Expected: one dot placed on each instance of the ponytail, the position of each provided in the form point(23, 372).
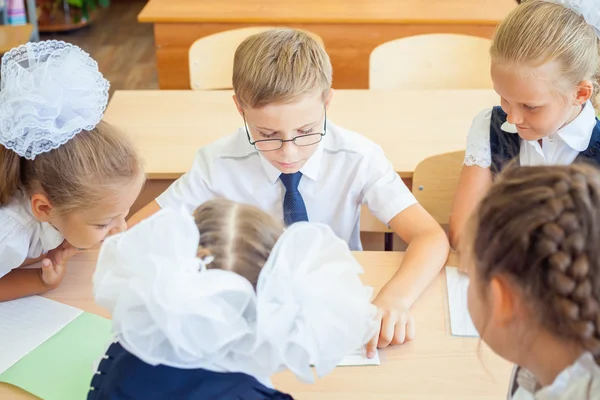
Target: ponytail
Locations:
point(10, 173)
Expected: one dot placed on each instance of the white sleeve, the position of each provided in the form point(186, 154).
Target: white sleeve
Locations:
point(14, 245)
point(478, 141)
point(191, 189)
point(385, 193)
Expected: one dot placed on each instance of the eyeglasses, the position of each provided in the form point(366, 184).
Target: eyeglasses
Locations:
point(275, 144)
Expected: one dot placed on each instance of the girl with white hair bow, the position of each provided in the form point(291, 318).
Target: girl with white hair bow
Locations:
point(210, 310)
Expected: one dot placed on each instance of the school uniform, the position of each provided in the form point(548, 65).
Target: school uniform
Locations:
point(346, 171)
point(22, 236)
point(123, 376)
point(579, 381)
point(493, 142)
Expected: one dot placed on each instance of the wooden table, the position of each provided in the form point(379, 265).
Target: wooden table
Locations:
point(169, 126)
point(435, 366)
point(351, 29)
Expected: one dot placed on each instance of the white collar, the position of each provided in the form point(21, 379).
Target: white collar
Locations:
point(574, 381)
point(576, 134)
point(49, 236)
point(310, 169)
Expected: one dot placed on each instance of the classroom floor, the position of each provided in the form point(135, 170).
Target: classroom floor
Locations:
point(123, 47)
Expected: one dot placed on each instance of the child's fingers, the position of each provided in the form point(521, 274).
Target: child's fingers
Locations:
point(46, 264)
point(411, 327)
point(372, 345)
point(387, 330)
point(400, 332)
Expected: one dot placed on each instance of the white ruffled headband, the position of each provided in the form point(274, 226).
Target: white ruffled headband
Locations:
point(588, 9)
point(309, 307)
point(50, 91)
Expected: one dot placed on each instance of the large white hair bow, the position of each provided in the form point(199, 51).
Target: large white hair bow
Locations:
point(310, 306)
point(50, 91)
point(588, 9)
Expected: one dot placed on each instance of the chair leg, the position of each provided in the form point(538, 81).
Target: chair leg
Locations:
point(389, 241)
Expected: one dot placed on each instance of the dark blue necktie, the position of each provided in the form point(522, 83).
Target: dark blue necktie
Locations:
point(294, 209)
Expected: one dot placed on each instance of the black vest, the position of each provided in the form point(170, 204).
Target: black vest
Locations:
point(506, 146)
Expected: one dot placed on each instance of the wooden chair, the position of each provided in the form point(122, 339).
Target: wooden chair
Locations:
point(211, 57)
point(434, 183)
point(433, 61)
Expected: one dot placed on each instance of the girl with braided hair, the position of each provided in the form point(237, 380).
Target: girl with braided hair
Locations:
point(532, 249)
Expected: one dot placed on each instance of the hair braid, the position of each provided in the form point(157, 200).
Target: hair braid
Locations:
point(541, 225)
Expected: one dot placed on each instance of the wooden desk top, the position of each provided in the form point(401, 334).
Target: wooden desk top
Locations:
point(434, 366)
point(169, 126)
point(480, 12)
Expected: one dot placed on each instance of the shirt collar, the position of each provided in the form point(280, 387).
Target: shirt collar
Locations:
point(577, 133)
point(49, 236)
point(310, 169)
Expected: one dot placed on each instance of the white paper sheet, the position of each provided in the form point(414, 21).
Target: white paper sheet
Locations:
point(359, 357)
point(27, 323)
point(460, 320)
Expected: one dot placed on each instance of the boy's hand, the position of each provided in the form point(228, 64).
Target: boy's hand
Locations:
point(54, 265)
point(396, 324)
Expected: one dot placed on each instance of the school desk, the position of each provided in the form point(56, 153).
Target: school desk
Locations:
point(351, 29)
point(434, 366)
point(169, 126)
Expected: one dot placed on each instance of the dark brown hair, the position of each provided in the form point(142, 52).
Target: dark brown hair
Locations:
point(75, 175)
point(239, 237)
point(540, 227)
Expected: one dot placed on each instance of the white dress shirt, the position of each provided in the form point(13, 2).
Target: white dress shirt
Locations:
point(560, 148)
point(22, 236)
point(346, 171)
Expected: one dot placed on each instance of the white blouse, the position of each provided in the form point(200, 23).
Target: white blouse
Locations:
point(560, 148)
point(579, 381)
point(22, 236)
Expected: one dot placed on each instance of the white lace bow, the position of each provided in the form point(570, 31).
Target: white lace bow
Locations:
point(588, 9)
point(50, 91)
point(309, 307)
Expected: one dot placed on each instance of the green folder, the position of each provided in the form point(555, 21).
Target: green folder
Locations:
point(62, 367)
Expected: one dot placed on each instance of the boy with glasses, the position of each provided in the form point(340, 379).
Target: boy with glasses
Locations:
point(290, 161)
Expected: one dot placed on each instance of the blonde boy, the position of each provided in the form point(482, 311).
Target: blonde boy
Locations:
point(292, 162)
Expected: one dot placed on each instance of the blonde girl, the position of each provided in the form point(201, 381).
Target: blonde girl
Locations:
point(68, 179)
point(545, 67)
point(215, 321)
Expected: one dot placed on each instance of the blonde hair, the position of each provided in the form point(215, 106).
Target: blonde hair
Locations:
point(239, 237)
point(75, 175)
point(279, 66)
point(538, 32)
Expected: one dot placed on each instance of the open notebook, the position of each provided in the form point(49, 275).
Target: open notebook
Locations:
point(460, 320)
point(49, 348)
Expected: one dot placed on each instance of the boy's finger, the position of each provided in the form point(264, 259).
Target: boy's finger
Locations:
point(372, 345)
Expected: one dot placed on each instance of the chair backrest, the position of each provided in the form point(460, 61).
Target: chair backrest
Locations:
point(211, 57)
point(434, 183)
point(432, 61)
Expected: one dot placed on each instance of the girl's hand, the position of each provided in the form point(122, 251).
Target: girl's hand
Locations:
point(54, 265)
